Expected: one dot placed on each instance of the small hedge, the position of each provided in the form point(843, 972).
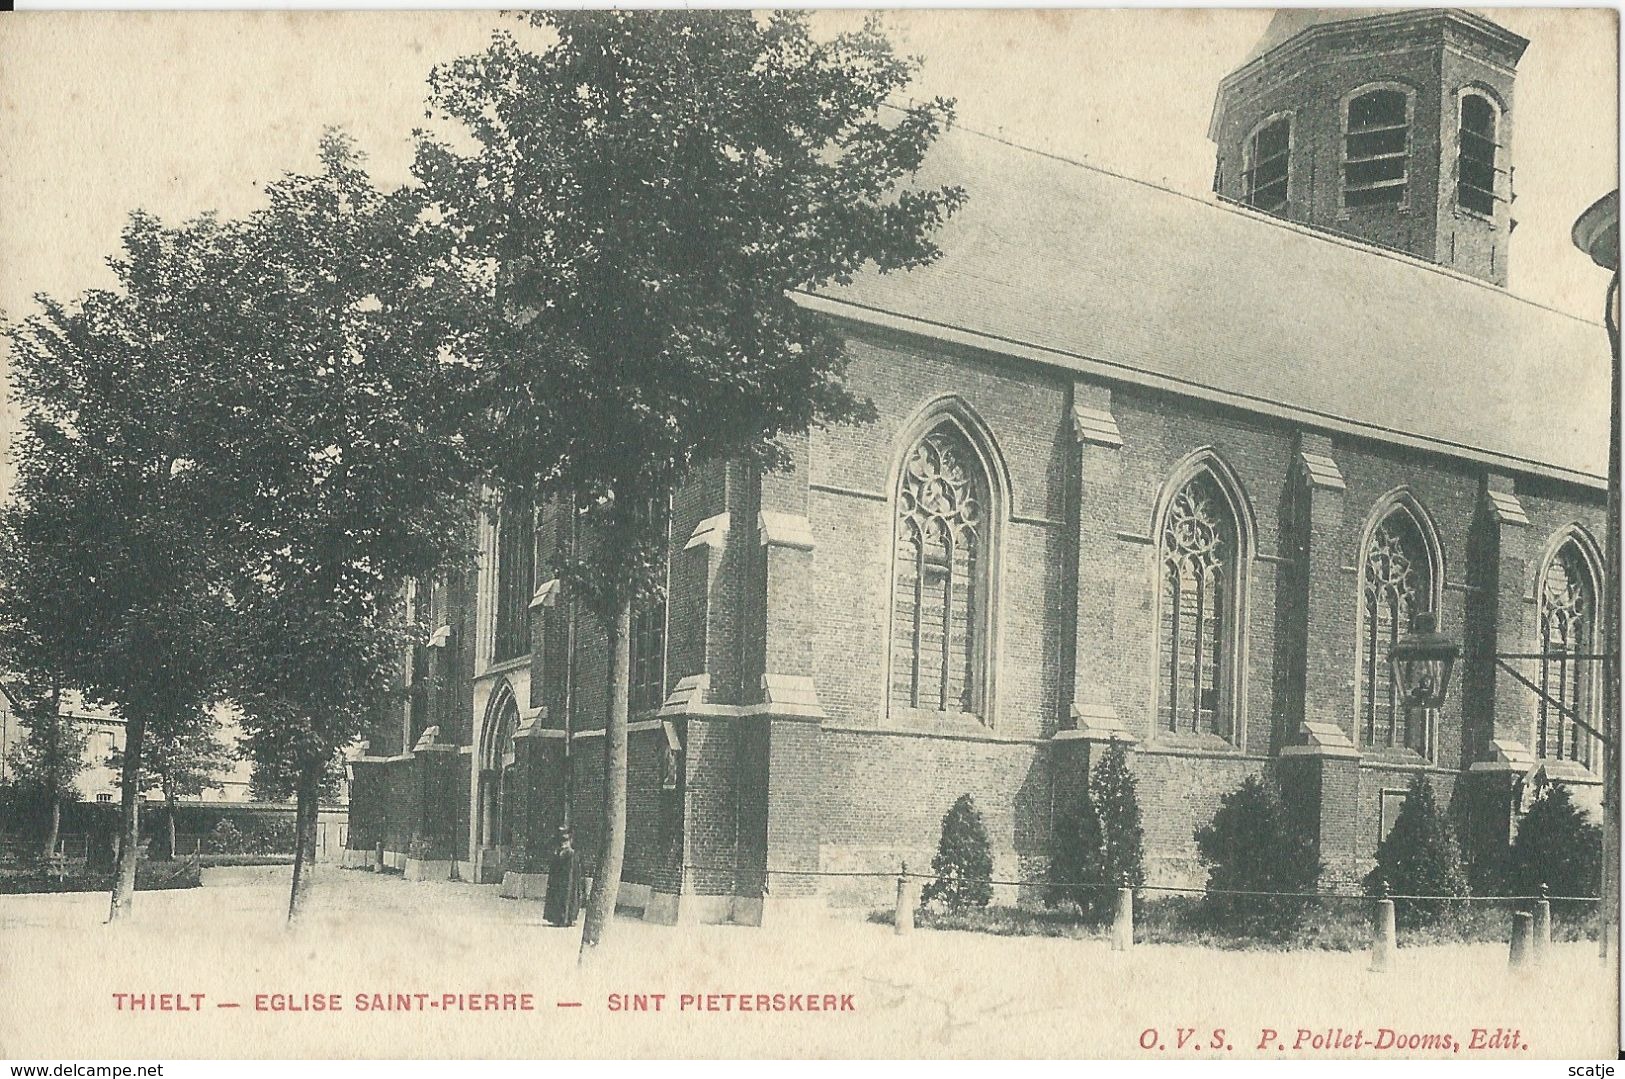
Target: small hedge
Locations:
point(963, 866)
point(1253, 845)
point(1099, 840)
point(149, 877)
point(1557, 847)
point(1420, 856)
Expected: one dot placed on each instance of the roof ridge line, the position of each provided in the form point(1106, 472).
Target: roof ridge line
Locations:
point(1269, 219)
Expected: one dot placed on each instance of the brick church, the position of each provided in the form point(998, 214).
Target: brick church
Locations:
point(1169, 470)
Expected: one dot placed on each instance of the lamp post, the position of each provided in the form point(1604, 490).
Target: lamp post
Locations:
point(1597, 234)
point(1423, 659)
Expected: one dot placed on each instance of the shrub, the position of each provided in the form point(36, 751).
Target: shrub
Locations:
point(226, 839)
point(1254, 845)
point(1558, 847)
point(964, 863)
point(1420, 857)
point(1076, 872)
point(1099, 841)
point(1116, 801)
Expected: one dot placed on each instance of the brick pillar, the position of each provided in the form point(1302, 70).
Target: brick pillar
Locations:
point(700, 826)
point(708, 809)
point(1072, 757)
point(779, 748)
point(368, 792)
point(1320, 785)
point(1094, 496)
point(702, 645)
point(1326, 664)
point(537, 827)
point(1499, 709)
point(434, 774)
point(1318, 764)
point(1512, 551)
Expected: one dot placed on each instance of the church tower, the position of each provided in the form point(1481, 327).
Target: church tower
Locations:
point(1390, 127)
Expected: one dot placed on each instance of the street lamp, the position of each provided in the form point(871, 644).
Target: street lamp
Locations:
point(1597, 234)
point(1423, 660)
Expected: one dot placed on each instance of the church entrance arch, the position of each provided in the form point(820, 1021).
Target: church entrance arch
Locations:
point(498, 795)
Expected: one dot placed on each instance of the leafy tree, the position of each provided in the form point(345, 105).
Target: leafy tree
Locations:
point(1076, 872)
point(46, 602)
point(272, 781)
point(1420, 857)
point(645, 192)
point(1116, 799)
point(46, 761)
point(1558, 847)
point(963, 867)
point(345, 458)
point(183, 761)
point(1253, 844)
point(113, 394)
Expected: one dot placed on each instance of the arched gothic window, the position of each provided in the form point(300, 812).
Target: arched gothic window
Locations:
point(1475, 155)
point(1568, 613)
point(940, 598)
point(1397, 584)
point(515, 579)
point(1199, 593)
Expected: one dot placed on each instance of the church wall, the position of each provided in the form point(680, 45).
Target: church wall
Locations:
point(1180, 784)
point(1449, 493)
point(852, 481)
point(886, 793)
point(1159, 432)
point(876, 787)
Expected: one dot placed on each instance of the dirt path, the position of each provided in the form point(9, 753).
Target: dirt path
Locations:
point(929, 994)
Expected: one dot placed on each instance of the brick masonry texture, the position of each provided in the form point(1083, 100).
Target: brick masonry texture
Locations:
point(864, 788)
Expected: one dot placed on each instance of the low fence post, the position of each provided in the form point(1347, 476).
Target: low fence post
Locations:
point(378, 857)
point(1543, 925)
point(1123, 923)
point(903, 921)
point(1523, 932)
point(1383, 942)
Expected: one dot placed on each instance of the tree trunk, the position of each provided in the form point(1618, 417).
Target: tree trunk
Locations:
point(307, 797)
point(53, 770)
point(606, 881)
point(53, 836)
point(169, 809)
point(130, 820)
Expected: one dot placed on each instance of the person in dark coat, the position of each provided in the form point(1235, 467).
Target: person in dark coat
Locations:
point(562, 904)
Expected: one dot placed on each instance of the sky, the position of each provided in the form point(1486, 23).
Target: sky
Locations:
point(176, 114)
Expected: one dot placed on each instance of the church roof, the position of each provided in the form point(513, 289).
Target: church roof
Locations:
point(1288, 23)
point(1122, 280)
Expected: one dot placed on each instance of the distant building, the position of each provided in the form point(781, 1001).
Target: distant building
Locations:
point(103, 729)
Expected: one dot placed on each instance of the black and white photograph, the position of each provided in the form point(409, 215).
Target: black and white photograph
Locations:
point(677, 533)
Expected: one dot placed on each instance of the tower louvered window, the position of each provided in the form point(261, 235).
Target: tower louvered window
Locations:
point(1398, 584)
point(938, 604)
point(1568, 603)
point(1376, 144)
point(1198, 559)
point(1475, 159)
point(1268, 155)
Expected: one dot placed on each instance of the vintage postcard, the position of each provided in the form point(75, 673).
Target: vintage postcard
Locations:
point(714, 534)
